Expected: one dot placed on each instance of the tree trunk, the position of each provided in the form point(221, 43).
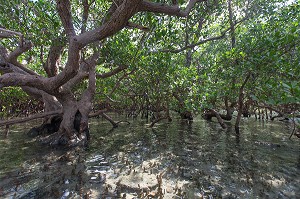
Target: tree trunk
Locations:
point(73, 127)
point(184, 114)
point(240, 103)
point(210, 113)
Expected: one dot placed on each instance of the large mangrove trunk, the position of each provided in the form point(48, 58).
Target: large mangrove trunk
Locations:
point(73, 128)
point(70, 126)
point(73, 122)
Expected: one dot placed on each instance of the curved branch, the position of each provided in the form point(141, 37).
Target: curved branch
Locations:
point(4, 33)
point(51, 66)
point(84, 72)
point(21, 120)
point(173, 10)
point(219, 118)
point(113, 72)
point(17, 79)
point(117, 21)
point(158, 120)
point(34, 92)
point(118, 83)
point(64, 11)
point(70, 70)
point(89, 93)
point(49, 85)
point(105, 116)
point(13, 57)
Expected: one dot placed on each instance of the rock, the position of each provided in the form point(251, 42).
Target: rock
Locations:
point(169, 189)
point(138, 181)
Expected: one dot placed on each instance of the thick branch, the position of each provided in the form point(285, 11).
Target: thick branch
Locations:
point(92, 81)
point(219, 118)
point(64, 11)
point(13, 56)
point(158, 120)
point(12, 69)
point(51, 85)
point(70, 70)
point(240, 103)
point(117, 21)
point(3, 52)
point(83, 72)
point(4, 33)
point(34, 92)
point(86, 101)
point(85, 14)
point(26, 119)
point(210, 113)
point(89, 93)
point(51, 66)
point(173, 10)
point(16, 79)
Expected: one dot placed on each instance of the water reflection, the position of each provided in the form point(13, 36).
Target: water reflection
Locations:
point(172, 160)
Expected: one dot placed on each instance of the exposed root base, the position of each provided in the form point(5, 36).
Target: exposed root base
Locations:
point(47, 128)
point(58, 139)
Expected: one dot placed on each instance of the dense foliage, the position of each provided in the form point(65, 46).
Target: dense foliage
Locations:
point(185, 64)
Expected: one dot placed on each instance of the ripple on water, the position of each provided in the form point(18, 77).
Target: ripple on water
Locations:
point(191, 160)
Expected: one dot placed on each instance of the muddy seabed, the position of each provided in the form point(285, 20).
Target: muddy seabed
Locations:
point(175, 160)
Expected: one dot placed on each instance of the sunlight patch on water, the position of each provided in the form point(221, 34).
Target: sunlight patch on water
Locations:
point(197, 159)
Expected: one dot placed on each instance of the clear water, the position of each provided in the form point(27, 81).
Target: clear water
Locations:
point(196, 160)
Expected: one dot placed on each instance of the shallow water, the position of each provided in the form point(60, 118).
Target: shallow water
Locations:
point(192, 160)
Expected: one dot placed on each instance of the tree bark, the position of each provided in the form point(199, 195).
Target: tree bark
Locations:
point(26, 119)
point(56, 89)
point(210, 113)
point(240, 104)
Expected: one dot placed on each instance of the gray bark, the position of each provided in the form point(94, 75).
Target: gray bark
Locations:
point(56, 89)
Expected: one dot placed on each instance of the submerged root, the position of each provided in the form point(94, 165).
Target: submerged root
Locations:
point(61, 133)
point(54, 139)
point(46, 128)
point(61, 139)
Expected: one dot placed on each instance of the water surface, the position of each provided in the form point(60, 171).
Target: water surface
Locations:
point(191, 160)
